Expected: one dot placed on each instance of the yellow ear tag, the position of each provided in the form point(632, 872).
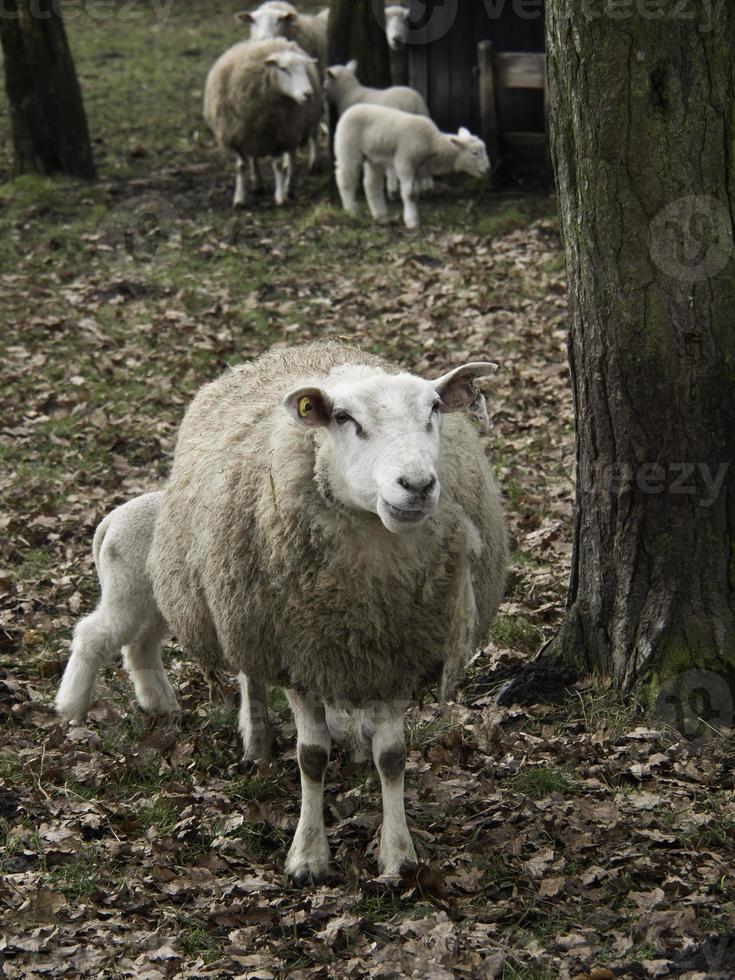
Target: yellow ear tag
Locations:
point(304, 407)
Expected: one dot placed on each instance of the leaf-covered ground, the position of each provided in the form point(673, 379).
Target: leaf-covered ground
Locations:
point(563, 834)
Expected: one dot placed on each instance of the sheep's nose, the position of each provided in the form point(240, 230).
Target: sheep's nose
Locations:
point(418, 489)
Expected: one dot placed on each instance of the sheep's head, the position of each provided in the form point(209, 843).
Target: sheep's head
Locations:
point(396, 26)
point(472, 157)
point(338, 77)
point(290, 74)
point(382, 436)
point(272, 19)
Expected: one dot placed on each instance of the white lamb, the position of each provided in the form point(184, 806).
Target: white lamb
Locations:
point(396, 26)
point(331, 526)
point(126, 618)
point(343, 89)
point(263, 99)
point(377, 139)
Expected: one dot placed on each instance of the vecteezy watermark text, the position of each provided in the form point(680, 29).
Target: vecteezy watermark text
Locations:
point(691, 479)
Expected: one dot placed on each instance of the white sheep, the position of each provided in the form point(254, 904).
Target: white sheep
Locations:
point(396, 26)
point(343, 89)
point(377, 139)
point(331, 526)
point(126, 619)
point(277, 19)
point(263, 99)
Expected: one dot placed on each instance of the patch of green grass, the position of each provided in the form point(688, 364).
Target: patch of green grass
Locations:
point(541, 781)
point(501, 222)
point(277, 700)
point(198, 943)
point(603, 709)
point(159, 814)
point(80, 877)
point(421, 734)
point(516, 633)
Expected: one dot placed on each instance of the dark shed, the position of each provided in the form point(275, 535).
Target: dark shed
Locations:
point(443, 65)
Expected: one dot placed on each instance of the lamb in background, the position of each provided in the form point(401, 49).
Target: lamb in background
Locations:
point(343, 90)
point(320, 532)
point(263, 99)
point(377, 139)
point(126, 617)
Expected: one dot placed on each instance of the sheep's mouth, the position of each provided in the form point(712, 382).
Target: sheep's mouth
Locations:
point(405, 516)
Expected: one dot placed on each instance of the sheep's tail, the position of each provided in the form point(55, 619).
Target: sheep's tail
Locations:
point(99, 537)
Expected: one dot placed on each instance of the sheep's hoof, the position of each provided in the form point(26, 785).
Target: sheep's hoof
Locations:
point(299, 877)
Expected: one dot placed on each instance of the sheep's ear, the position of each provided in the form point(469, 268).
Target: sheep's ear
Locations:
point(463, 133)
point(351, 65)
point(287, 15)
point(309, 406)
point(456, 390)
point(245, 16)
point(329, 73)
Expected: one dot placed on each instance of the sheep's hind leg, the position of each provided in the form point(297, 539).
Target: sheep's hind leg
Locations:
point(347, 175)
point(254, 724)
point(238, 200)
point(374, 183)
point(407, 180)
point(389, 753)
point(282, 173)
point(142, 660)
point(308, 857)
point(96, 641)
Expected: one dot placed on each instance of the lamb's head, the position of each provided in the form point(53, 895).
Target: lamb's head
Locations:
point(396, 26)
point(472, 158)
point(271, 19)
point(289, 70)
point(380, 436)
point(340, 78)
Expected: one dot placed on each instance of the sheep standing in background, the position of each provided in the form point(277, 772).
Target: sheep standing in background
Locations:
point(278, 19)
point(126, 618)
point(263, 99)
point(396, 32)
point(343, 90)
point(320, 532)
point(378, 139)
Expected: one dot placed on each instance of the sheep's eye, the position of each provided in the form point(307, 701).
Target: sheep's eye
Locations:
point(342, 418)
point(435, 410)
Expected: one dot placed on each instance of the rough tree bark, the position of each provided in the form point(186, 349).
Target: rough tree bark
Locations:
point(357, 30)
point(642, 126)
point(50, 134)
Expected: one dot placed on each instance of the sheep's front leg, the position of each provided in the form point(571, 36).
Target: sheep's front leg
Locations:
point(308, 857)
point(373, 182)
point(254, 724)
point(347, 175)
point(407, 180)
point(389, 753)
point(256, 179)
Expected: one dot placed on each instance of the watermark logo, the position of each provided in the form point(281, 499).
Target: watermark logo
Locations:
point(697, 703)
point(140, 232)
point(431, 20)
point(691, 238)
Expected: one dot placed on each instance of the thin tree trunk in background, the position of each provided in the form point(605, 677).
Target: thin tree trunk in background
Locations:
point(642, 137)
point(357, 30)
point(50, 134)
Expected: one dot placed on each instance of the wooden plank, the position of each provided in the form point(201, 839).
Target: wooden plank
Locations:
point(488, 105)
point(520, 70)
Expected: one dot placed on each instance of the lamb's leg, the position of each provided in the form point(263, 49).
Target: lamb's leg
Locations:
point(391, 182)
point(96, 641)
point(255, 727)
point(238, 200)
point(289, 165)
point(280, 172)
point(347, 174)
point(408, 195)
point(313, 151)
point(389, 753)
point(308, 857)
point(374, 184)
point(142, 660)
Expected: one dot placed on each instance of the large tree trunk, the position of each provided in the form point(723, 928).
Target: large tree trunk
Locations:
point(50, 133)
point(357, 30)
point(642, 138)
